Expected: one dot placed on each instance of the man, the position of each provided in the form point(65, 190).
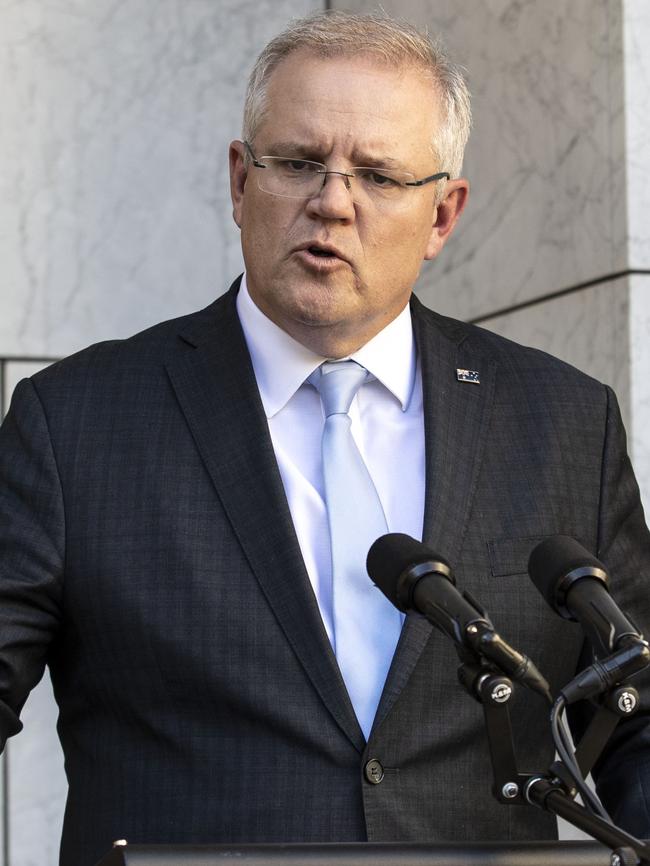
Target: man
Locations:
point(166, 513)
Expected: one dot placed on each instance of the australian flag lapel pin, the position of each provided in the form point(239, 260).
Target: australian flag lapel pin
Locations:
point(468, 376)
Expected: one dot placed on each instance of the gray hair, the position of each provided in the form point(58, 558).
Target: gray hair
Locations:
point(393, 43)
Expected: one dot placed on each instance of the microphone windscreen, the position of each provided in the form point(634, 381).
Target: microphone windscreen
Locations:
point(392, 554)
point(555, 558)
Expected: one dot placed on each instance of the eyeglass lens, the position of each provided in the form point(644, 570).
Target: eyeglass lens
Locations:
point(298, 178)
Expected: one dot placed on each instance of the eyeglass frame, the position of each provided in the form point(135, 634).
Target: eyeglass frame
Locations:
point(441, 175)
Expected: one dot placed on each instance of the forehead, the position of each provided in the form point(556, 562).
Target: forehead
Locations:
point(349, 102)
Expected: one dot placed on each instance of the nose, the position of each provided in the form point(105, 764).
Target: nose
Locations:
point(346, 177)
point(334, 199)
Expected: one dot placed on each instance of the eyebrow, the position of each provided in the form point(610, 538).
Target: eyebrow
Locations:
point(291, 148)
point(377, 162)
point(307, 151)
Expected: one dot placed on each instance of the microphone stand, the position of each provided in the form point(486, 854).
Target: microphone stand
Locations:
point(552, 791)
point(550, 795)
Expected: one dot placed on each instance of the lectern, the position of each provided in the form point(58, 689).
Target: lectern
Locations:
point(364, 854)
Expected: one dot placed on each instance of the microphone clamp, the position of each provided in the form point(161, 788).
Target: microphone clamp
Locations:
point(410, 577)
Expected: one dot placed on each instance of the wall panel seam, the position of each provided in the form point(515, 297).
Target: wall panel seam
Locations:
point(560, 293)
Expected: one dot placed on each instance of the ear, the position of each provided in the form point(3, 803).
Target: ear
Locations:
point(238, 175)
point(446, 215)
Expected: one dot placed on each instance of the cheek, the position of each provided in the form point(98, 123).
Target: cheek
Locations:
point(267, 234)
point(402, 243)
point(393, 259)
point(267, 222)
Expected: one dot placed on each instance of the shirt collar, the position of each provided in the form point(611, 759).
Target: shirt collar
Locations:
point(281, 364)
point(391, 358)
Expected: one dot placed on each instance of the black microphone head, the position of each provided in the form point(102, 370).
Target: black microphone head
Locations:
point(394, 554)
point(556, 564)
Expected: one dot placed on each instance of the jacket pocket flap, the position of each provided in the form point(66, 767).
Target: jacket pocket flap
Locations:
point(510, 555)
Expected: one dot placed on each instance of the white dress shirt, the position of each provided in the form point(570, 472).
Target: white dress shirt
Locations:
point(387, 425)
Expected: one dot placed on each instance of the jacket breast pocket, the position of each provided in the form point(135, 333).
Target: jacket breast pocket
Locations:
point(509, 556)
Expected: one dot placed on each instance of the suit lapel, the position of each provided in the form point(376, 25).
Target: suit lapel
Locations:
point(215, 385)
point(456, 417)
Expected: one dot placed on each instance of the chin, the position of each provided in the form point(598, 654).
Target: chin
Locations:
point(322, 313)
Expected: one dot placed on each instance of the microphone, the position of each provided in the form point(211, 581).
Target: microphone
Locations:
point(415, 578)
point(575, 585)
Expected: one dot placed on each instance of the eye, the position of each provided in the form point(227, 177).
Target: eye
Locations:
point(377, 179)
point(297, 166)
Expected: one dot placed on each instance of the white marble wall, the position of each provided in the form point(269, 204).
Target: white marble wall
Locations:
point(114, 214)
point(559, 166)
point(37, 786)
point(114, 207)
point(639, 366)
point(114, 210)
point(546, 159)
point(637, 131)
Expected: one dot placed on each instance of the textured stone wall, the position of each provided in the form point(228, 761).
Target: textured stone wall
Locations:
point(114, 214)
point(114, 207)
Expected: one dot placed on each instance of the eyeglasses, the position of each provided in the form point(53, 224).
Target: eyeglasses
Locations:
point(302, 178)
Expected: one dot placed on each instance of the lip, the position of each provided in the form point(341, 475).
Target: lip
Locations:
point(336, 258)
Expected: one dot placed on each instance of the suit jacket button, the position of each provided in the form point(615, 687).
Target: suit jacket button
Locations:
point(373, 771)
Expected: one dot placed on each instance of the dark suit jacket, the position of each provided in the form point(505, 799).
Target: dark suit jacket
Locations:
point(148, 556)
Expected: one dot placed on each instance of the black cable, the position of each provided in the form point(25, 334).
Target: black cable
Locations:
point(562, 741)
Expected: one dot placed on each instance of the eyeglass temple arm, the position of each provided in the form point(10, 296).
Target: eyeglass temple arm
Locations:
point(255, 160)
point(440, 176)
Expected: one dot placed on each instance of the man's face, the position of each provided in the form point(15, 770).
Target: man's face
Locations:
point(343, 112)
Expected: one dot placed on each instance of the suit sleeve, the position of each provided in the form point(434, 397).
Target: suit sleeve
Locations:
point(32, 534)
point(623, 772)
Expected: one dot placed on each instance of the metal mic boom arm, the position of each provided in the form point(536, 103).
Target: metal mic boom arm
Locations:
point(551, 791)
point(493, 691)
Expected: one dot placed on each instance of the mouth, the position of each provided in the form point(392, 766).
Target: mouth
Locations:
point(321, 252)
point(321, 255)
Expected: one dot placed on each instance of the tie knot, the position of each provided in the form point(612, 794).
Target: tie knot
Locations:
point(338, 382)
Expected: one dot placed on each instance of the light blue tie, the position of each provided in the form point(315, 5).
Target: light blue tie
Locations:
point(366, 625)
